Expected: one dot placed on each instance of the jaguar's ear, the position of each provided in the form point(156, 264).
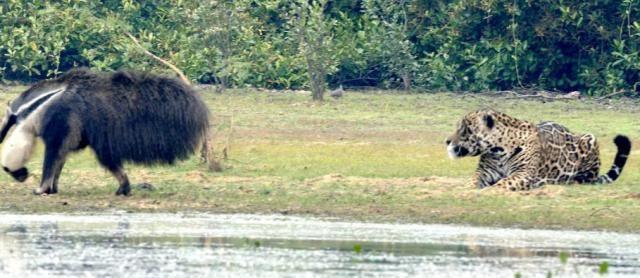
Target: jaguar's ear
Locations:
point(488, 121)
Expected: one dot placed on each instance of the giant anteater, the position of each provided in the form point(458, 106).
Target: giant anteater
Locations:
point(123, 116)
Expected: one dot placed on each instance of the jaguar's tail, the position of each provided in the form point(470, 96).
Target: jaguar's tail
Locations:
point(624, 148)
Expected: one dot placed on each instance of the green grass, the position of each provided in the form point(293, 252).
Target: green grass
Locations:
point(368, 156)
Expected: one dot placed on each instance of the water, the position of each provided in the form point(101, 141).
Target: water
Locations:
point(211, 245)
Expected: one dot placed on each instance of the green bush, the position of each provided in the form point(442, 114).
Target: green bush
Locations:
point(461, 45)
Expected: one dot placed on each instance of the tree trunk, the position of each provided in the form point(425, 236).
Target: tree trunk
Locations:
point(406, 81)
point(317, 86)
point(316, 75)
point(318, 92)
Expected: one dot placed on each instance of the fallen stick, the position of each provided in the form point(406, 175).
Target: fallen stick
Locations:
point(562, 97)
point(611, 95)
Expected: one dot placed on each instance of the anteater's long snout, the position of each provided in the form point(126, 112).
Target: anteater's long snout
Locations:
point(20, 175)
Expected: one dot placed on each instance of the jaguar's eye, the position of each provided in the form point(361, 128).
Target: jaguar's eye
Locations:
point(464, 130)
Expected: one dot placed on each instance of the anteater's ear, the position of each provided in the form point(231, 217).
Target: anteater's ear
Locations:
point(488, 121)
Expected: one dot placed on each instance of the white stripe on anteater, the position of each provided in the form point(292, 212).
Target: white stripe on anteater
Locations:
point(18, 148)
point(36, 99)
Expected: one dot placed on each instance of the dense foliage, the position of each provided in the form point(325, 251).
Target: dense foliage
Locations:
point(460, 45)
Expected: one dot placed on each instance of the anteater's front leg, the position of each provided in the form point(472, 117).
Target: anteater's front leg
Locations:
point(54, 187)
point(54, 159)
point(61, 134)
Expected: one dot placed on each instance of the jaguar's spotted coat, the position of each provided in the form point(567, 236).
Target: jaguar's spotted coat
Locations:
point(519, 155)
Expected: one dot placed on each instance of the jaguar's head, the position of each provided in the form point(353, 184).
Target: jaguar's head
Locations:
point(474, 134)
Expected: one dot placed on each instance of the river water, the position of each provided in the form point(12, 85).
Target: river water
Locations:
point(222, 245)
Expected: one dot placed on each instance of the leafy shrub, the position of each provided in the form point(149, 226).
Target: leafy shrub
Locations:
point(461, 45)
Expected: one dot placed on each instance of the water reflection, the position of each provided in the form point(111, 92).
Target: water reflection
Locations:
point(164, 245)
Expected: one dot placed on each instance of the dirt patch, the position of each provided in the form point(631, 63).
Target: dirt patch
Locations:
point(635, 196)
point(245, 180)
point(547, 191)
point(446, 180)
point(399, 182)
point(329, 178)
point(196, 177)
point(331, 135)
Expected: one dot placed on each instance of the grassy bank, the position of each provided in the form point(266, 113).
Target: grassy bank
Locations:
point(373, 156)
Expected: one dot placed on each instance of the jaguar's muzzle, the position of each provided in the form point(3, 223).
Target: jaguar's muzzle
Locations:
point(456, 151)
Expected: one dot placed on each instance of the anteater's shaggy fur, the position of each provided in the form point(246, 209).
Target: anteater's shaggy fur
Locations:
point(123, 116)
